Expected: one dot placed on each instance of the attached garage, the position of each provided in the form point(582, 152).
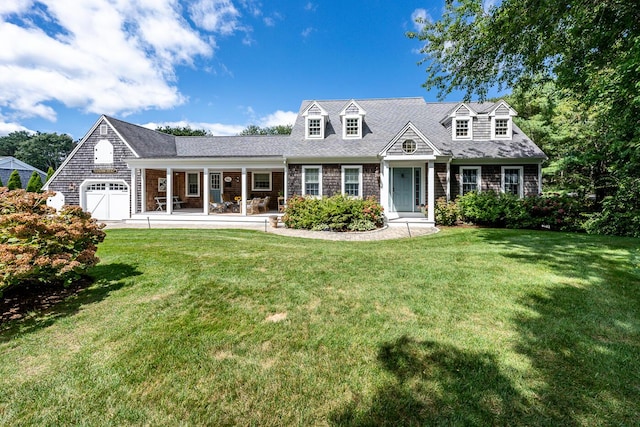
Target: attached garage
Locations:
point(106, 200)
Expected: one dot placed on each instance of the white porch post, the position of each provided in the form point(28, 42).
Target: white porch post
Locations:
point(205, 189)
point(286, 181)
point(243, 204)
point(169, 205)
point(134, 190)
point(432, 190)
point(448, 189)
point(384, 190)
point(143, 190)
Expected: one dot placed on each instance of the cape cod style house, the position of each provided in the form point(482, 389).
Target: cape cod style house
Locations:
point(405, 152)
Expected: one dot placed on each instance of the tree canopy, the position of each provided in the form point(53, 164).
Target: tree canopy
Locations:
point(183, 131)
point(268, 130)
point(44, 150)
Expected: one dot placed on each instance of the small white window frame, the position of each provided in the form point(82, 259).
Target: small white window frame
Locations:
point(103, 130)
point(253, 180)
point(304, 180)
point(308, 119)
point(520, 179)
point(478, 180)
point(454, 125)
point(186, 186)
point(358, 135)
point(344, 183)
point(509, 134)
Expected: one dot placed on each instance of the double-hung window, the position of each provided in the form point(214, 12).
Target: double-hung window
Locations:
point(512, 180)
point(462, 128)
point(312, 181)
point(314, 128)
point(261, 181)
point(469, 179)
point(193, 184)
point(352, 181)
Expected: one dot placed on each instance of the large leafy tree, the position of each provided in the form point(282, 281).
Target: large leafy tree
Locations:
point(10, 143)
point(182, 131)
point(44, 150)
point(589, 48)
point(268, 130)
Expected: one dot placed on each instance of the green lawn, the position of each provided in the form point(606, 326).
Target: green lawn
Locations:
point(219, 327)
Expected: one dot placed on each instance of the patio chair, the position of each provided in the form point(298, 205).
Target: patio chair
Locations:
point(253, 206)
point(264, 204)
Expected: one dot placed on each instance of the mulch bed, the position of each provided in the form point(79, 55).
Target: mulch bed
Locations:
point(18, 302)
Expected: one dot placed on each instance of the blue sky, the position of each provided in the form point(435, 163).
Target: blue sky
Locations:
point(219, 65)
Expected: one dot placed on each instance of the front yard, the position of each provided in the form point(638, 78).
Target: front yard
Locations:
point(219, 327)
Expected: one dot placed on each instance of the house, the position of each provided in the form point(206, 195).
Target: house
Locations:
point(405, 152)
point(8, 164)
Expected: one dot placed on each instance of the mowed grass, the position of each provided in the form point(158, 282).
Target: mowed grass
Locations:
point(225, 327)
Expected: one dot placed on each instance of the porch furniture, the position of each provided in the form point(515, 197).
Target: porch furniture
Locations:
point(252, 206)
point(264, 204)
point(281, 205)
point(161, 203)
point(217, 207)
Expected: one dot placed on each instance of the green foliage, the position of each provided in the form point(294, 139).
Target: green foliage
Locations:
point(551, 211)
point(620, 213)
point(1, 184)
point(50, 173)
point(44, 150)
point(35, 183)
point(14, 182)
point(446, 212)
point(183, 131)
point(337, 213)
point(10, 143)
point(269, 130)
point(38, 245)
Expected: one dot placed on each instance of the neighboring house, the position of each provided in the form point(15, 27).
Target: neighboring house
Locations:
point(8, 164)
point(404, 152)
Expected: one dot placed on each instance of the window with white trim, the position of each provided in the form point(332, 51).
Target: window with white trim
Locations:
point(500, 128)
point(352, 127)
point(103, 129)
point(462, 128)
point(314, 127)
point(469, 179)
point(261, 181)
point(193, 184)
point(512, 180)
point(352, 181)
point(312, 181)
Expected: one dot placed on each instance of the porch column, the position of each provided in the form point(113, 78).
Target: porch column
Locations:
point(243, 182)
point(286, 181)
point(384, 190)
point(448, 189)
point(143, 190)
point(169, 205)
point(431, 194)
point(205, 189)
point(134, 190)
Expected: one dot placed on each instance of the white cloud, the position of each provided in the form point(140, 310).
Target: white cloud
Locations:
point(219, 129)
point(102, 56)
point(307, 32)
point(420, 16)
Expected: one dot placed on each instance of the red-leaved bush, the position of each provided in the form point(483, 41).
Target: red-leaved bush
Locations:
point(38, 244)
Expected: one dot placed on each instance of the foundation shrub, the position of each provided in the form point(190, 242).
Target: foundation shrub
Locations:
point(446, 213)
point(488, 208)
point(38, 245)
point(336, 213)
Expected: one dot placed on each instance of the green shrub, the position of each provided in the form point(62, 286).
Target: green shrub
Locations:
point(14, 182)
point(446, 212)
point(553, 212)
point(620, 213)
point(35, 183)
point(39, 245)
point(337, 213)
point(488, 208)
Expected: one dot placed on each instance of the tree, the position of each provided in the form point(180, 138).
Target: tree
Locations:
point(183, 131)
point(50, 173)
point(10, 143)
point(14, 182)
point(35, 183)
point(44, 150)
point(268, 130)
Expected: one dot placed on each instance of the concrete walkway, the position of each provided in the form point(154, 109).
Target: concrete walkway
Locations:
point(396, 231)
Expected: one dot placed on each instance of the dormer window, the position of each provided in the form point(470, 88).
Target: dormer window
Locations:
point(352, 116)
point(462, 128)
point(315, 120)
point(501, 121)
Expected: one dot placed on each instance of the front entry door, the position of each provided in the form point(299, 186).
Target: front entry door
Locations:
point(402, 189)
point(216, 187)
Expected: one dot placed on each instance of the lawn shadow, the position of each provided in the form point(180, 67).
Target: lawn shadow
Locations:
point(96, 286)
point(437, 384)
point(583, 337)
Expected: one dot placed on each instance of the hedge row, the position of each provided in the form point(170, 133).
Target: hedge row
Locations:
point(336, 213)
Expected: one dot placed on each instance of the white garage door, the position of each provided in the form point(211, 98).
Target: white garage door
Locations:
point(107, 200)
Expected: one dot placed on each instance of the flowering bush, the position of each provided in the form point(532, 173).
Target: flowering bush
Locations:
point(446, 212)
point(38, 244)
point(337, 213)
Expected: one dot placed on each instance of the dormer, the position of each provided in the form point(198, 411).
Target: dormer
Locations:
point(462, 122)
point(315, 120)
point(352, 118)
point(502, 121)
